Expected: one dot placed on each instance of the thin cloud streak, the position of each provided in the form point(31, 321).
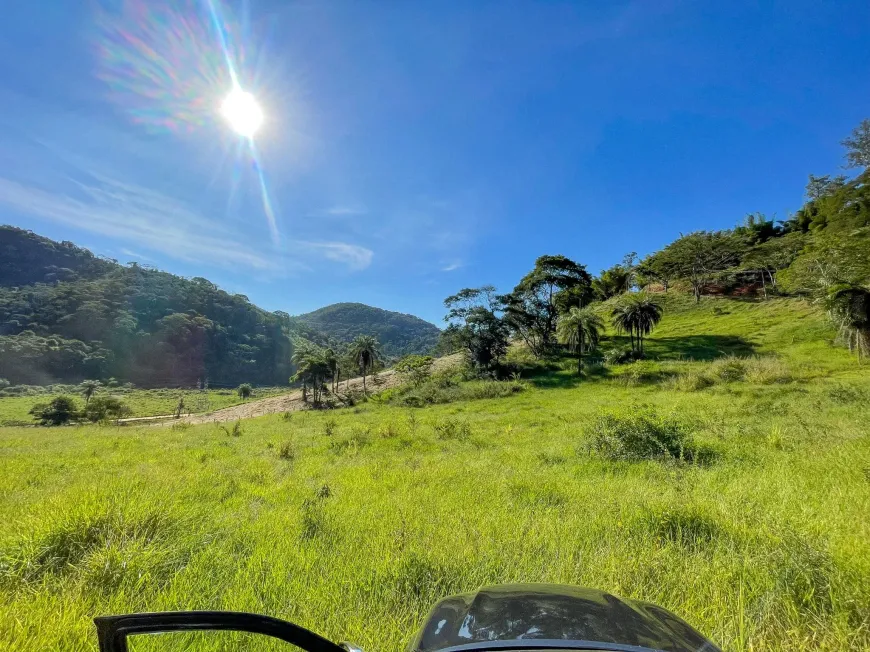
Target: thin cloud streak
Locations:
point(355, 257)
point(148, 219)
point(133, 254)
point(339, 211)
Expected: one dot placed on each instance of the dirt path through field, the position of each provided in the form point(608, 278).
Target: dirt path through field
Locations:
point(292, 401)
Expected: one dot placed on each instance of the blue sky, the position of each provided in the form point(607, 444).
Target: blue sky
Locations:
point(413, 148)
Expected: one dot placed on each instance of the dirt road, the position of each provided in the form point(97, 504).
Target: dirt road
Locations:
point(291, 401)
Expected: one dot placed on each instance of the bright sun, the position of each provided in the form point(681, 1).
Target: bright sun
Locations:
point(242, 112)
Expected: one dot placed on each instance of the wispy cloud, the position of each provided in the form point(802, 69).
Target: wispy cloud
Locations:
point(341, 211)
point(133, 214)
point(354, 256)
point(133, 254)
point(450, 267)
point(148, 219)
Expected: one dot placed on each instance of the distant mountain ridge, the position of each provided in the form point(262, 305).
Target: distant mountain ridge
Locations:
point(398, 333)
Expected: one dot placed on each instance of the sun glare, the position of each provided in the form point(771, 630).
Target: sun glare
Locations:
point(242, 112)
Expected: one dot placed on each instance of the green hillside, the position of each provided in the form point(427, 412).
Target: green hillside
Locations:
point(352, 522)
point(66, 315)
point(398, 334)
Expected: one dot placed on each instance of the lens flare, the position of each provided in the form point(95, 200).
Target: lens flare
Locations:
point(169, 64)
point(242, 112)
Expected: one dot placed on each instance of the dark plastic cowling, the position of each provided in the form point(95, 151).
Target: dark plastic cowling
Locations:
point(537, 613)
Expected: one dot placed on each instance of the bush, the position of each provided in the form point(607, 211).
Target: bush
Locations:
point(452, 429)
point(764, 371)
point(767, 371)
point(59, 411)
point(101, 408)
point(329, 427)
point(287, 451)
point(640, 433)
point(235, 432)
point(415, 368)
point(245, 391)
point(728, 369)
point(644, 373)
point(448, 390)
point(621, 356)
point(692, 382)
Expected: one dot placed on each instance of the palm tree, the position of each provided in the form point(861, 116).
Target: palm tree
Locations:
point(313, 369)
point(637, 315)
point(580, 329)
point(332, 364)
point(89, 388)
point(302, 351)
point(647, 315)
point(849, 307)
point(365, 352)
point(623, 319)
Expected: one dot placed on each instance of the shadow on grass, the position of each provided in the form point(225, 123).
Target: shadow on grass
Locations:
point(568, 379)
point(698, 347)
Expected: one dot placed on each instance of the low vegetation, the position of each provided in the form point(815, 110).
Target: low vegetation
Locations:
point(742, 505)
point(18, 401)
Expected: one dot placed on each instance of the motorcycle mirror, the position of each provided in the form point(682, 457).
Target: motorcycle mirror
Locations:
point(130, 633)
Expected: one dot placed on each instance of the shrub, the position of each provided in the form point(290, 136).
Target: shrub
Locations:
point(59, 411)
point(640, 433)
point(767, 371)
point(329, 427)
point(643, 373)
point(388, 431)
point(692, 382)
point(415, 368)
point(102, 408)
point(621, 356)
point(287, 451)
point(452, 429)
point(449, 390)
point(728, 370)
point(492, 389)
point(846, 394)
point(245, 391)
point(235, 432)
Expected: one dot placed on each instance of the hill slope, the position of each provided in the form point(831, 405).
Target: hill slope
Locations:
point(399, 334)
point(66, 315)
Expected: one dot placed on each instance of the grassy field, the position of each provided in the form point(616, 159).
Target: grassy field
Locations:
point(143, 402)
point(353, 522)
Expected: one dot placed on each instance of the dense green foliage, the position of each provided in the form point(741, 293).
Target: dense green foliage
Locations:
point(353, 522)
point(398, 334)
point(66, 315)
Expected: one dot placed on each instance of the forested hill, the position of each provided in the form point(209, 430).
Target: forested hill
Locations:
point(398, 334)
point(67, 315)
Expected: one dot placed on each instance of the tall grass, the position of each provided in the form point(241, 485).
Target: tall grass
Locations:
point(354, 534)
